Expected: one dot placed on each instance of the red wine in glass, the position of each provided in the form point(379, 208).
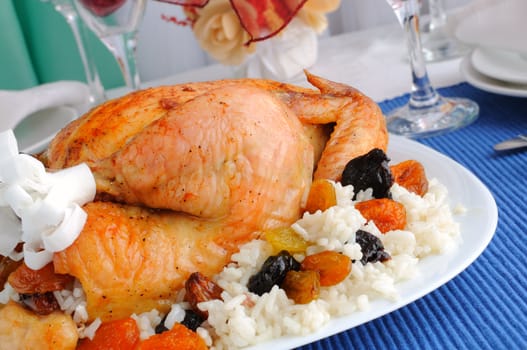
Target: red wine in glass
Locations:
point(102, 8)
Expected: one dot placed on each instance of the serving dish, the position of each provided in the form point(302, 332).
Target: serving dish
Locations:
point(478, 225)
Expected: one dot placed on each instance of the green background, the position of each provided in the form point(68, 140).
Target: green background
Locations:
point(37, 46)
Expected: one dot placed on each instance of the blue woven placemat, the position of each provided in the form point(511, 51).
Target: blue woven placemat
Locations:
point(485, 307)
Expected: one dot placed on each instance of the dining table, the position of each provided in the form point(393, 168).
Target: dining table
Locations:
point(485, 305)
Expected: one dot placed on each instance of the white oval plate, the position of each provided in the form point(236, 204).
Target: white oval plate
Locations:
point(475, 78)
point(37, 130)
point(499, 25)
point(504, 65)
point(478, 225)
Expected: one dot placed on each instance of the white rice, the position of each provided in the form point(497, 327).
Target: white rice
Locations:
point(147, 322)
point(242, 318)
point(73, 302)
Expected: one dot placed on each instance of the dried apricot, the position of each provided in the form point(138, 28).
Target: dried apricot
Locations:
point(333, 267)
point(199, 288)
point(321, 196)
point(387, 214)
point(302, 286)
point(285, 238)
point(113, 335)
point(411, 175)
point(179, 337)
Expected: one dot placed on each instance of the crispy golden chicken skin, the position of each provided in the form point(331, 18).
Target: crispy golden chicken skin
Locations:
point(185, 174)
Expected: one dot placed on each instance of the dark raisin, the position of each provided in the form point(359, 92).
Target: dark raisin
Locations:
point(40, 303)
point(371, 246)
point(369, 171)
point(273, 272)
point(160, 328)
point(192, 320)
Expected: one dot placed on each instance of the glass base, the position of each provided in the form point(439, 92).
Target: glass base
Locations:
point(447, 115)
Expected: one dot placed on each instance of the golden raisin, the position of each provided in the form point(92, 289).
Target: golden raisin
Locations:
point(302, 286)
point(27, 281)
point(199, 288)
point(387, 214)
point(411, 175)
point(333, 267)
point(321, 196)
point(285, 238)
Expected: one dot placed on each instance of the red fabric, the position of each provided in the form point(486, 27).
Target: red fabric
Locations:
point(264, 18)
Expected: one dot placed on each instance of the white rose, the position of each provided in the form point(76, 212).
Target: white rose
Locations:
point(220, 34)
point(313, 13)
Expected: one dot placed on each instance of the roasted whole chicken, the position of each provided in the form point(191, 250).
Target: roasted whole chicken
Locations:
point(187, 173)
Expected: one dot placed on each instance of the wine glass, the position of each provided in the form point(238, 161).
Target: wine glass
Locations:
point(66, 9)
point(427, 113)
point(438, 42)
point(116, 22)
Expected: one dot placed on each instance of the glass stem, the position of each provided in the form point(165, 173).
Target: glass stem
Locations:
point(423, 94)
point(90, 70)
point(123, 47)
point(80, 35)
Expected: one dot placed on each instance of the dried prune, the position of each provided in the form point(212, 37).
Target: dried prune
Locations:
point(371, 246)
point(370, 170)
point(273, 272)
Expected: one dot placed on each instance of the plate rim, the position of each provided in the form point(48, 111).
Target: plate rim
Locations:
point(340, 324)
point(475, 78)
point(67, 114)
point(484, 60)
